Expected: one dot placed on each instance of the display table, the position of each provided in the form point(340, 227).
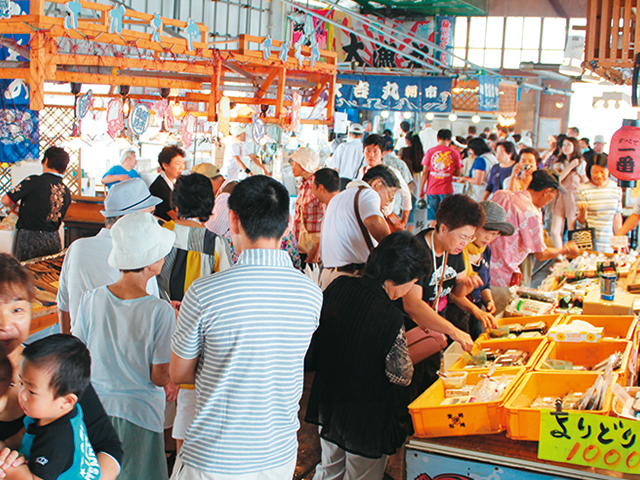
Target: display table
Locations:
point(83, 219)
point(491, 457)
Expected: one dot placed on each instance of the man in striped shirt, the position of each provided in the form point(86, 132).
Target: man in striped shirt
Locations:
point(241, 337)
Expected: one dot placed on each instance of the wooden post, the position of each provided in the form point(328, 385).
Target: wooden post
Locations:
point(215, 87)
point(282, 80)
point(37, 68)
point(332, 98)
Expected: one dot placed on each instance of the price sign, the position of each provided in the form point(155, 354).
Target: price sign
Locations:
point(591, 440)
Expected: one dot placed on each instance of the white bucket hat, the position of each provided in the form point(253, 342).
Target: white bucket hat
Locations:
point(129, 196)
point(307, 158)
point(237, 130)
point(138, 241)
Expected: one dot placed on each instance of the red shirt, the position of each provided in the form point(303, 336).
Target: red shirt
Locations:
point(443, 162)
point(308, 205)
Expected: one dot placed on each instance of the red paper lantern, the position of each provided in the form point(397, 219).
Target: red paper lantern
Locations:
point(624, 154)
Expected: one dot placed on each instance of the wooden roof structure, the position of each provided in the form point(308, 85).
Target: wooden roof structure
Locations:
point(94, 51)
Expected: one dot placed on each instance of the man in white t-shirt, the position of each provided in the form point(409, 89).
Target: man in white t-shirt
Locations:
point(344, 247)
point(348, 157)
point(428, 136)
point(235, 165)
point(85, 265)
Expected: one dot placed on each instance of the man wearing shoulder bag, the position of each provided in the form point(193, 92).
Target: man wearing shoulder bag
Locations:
point(354, 223)
point(309, 211)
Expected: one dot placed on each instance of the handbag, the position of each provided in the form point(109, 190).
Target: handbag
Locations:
point(422, 343)
point(307, 241)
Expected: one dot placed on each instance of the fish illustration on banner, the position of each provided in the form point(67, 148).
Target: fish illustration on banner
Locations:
point(368, 46)
point(187, 130)
point(115, 117)
point(84, 103)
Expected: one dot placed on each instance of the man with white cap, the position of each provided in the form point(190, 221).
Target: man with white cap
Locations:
point(128, 334)
point(598, 144)
point(349, 157)
point(234, 166)
point(309, 212)
point(85, 265)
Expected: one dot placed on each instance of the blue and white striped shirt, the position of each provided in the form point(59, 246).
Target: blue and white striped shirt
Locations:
point(251, 325)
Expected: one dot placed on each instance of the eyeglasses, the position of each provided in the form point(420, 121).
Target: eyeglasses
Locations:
point(464, 238)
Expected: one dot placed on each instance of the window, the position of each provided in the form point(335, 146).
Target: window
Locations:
point(495, 42)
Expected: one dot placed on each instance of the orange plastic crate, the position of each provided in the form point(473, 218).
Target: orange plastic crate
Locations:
point(534, 346)
point(616, 327)
point(549, 320)
point(523, 422)
point(430, 419)
point(587, 355)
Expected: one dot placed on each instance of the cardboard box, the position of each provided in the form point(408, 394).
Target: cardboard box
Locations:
point(622, 304)
point(451, 355)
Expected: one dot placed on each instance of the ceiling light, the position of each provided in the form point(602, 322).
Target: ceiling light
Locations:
point(475, 118)
point(453, 117)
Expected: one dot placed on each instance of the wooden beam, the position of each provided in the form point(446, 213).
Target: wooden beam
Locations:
point(267, 83)
point(23, 73)
point(133, 63)
point(282, 79)
point(213, 95)
point(37, 71)
point(62, 76)
point(318, 91)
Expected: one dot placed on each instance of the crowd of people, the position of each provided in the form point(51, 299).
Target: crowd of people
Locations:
point(193, 294)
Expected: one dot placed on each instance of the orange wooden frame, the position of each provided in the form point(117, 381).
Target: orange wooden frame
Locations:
point(172, 65)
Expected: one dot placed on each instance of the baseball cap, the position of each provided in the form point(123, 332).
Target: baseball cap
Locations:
point(547, 178)
point(356, 128)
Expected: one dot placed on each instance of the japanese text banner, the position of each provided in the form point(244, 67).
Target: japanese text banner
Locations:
point(591, 440)
point(406, 94)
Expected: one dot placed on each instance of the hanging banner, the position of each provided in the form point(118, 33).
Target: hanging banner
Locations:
point(368, 47)
point(19, 137)
point(406, 94)
point(14, 92)
point(591, 440)
point(445, 37)
point(488, 93)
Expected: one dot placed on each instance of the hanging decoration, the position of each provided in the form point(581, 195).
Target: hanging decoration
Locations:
point(19, 137)
point(298, 54)
point(284, 51)
point(224, 110)
point(116, 15)
point(84, 103)
point(156, 23)
point(163, 109)
point(266, 47)
point(296, 105)
point(74, 7)
point(115, 118)
point(188, 129)
point(258, 130)
point(139, 118)
point(193, 32)
point(624, 153)
point(5, 8)
point(488, 93)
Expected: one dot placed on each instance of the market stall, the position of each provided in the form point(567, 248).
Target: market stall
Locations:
point(549, 392)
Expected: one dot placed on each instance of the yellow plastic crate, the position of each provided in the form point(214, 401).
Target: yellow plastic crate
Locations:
point(430, 419)
point(523, 422)
point(588, 355)
point(533, 346)
point(549, 321)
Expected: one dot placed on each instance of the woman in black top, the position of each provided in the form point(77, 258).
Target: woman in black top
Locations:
point(359, 352)
point(16, 291)
point(44, 200)
point(171, 161)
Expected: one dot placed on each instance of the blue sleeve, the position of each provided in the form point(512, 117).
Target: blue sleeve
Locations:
point(115, 170)
point(479, 164)
point(133, 173)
